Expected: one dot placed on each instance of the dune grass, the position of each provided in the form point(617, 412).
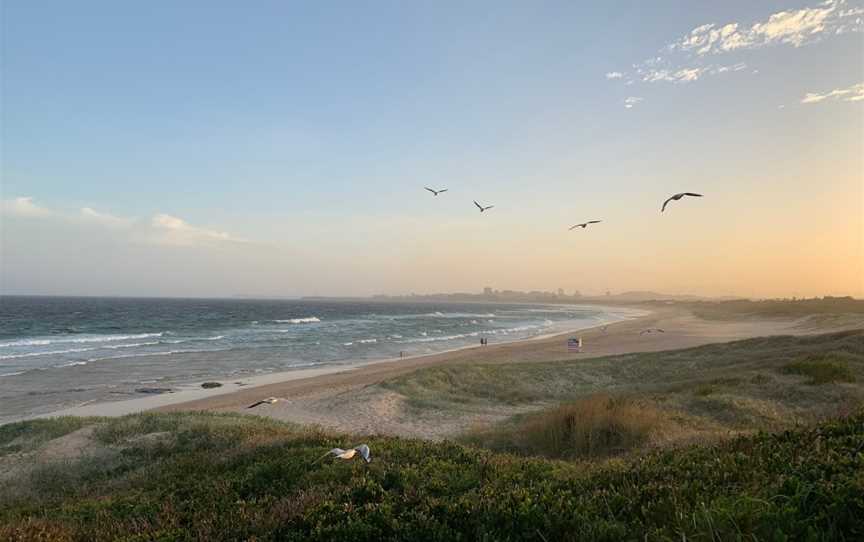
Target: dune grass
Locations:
point(779, 309)
point(823, 369)
point(218, 477)
point(198, 476)
point(23, 437)
point(593, 427)
point(739, 385)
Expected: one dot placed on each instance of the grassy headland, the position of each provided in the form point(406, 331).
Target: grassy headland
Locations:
point(670, 445)
point(226, 477)
point(824, 309)
point(695, 394)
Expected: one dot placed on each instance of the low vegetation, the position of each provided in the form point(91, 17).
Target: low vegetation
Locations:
point(823, 369)
point(736, 386)
point(659, 446)
point(218, 477)
point(778, 309)
point(594, 427)
point(22, 437)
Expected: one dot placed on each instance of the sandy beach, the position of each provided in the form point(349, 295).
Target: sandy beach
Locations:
point(352, 401)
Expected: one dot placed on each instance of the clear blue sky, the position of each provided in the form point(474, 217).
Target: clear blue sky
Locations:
point(309, 130)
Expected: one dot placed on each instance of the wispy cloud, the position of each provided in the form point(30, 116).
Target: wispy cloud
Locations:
point(614, 75)
point(631, 101)
point(686, 59)
point(651, 74)
point(162, 229)
point(105, 218)
point(24, 207)
point(855, 93)
point(794, 27)
point(176, 231)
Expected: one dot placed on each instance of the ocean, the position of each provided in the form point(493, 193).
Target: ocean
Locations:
point(59, 352)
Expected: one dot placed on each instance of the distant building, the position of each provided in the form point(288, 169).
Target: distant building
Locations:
point(561, 292)
point(487, 291)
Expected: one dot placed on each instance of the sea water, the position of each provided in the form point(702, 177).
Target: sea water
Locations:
point(57, 352)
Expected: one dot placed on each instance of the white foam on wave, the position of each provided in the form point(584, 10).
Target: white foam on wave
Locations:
point(131, 345)
point(425, 339)
point(49, 353)
point(148, 354)
point(439, 314)
point(368, 341)
point(107, 347)
point(94, 339)
point(193, 339)
point(26, 342)
point(307, 320)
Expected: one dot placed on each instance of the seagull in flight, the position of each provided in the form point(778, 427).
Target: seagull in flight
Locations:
point(435, 192)
point(268, 401)
point(584, 224)
point(653, 330)
point(676, 197)
point(362, 449)
point(481, 207)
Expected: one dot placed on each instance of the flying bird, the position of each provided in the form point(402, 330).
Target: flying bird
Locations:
point(676, 197)
point(435, 192)
point(584, 224)
point(653, 330)
point(362, 449)
point(268, 401)
point(481, 207)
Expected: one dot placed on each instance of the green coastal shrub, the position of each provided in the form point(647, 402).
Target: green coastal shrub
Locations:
point(243, 478)
point(822, 369)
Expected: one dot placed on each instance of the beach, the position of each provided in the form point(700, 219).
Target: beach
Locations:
point(58, 354)
point(352, 400)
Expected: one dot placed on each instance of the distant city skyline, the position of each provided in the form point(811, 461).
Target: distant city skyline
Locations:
point(213, 149)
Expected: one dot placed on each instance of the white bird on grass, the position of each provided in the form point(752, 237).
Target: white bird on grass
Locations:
point(435, 192)
point(350, 453)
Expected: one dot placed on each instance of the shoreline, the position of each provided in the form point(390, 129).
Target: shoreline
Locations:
point(356, 402)
point(192, 392)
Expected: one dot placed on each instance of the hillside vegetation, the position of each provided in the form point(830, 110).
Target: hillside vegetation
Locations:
point(660, 446)
point(681, 396)
point(220, 477)
point(774, 308)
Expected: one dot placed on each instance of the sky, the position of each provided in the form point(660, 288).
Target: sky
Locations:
point(282, 148)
